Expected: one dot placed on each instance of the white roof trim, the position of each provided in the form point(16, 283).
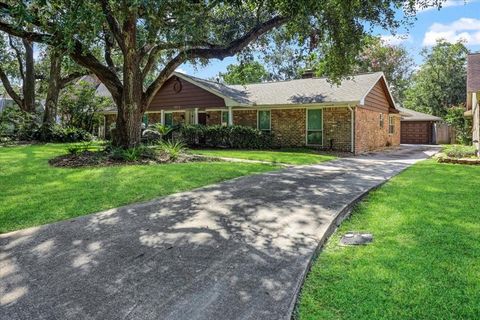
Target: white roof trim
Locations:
point(382, 76)
point(228, 101)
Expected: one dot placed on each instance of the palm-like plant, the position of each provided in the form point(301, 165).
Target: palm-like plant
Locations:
point(172, 148)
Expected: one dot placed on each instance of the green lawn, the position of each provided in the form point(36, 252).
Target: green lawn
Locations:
point(288, 156)
point(34, 193)
point(425, 259)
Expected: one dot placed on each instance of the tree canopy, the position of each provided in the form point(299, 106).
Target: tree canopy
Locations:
point(244, 73)
point(150, 36)
point(440, 83)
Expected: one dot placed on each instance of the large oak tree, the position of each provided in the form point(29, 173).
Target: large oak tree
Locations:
point(158, 36)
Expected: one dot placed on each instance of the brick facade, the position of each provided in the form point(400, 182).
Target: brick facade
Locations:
point(369, 135)
point(337, 129)
point(154, 118)
point(246, 118)
point(288, 127)
point(214, 118)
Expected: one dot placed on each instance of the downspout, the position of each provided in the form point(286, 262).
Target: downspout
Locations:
point(352, 129)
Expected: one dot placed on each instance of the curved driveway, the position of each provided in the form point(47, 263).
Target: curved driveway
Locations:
point(234, 250)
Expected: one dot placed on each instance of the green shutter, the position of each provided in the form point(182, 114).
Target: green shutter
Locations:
point(314, 127)
point(264, 120)
point(145, 119)
point(169, 119)
point(225, 117)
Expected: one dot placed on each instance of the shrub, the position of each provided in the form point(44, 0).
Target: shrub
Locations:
point(57, 133)
point(155, 133)
point(459, 151)
point(462, 126)
point(238, 137)
point(172, 148)
point(18, 125)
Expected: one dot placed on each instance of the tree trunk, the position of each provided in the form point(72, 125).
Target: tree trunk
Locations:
point(53, 88)
point(29, 81)
point(128, 127)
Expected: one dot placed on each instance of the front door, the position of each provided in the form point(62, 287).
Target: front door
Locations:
point(202, 118)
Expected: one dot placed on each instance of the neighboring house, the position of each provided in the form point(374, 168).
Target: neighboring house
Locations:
point(417, 127)
point(473, 95)
point(358, 115)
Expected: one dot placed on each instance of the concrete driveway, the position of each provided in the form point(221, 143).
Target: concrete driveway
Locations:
point(235, 250)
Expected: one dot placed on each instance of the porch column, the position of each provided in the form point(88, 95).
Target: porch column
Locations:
point(195, 116)
point(230, 116)
point(162, 117)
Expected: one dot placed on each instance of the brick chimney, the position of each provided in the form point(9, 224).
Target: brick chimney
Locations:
point(308, 74)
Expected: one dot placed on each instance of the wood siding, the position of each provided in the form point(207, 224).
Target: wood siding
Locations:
point(377, 100)
point(178, 94)
point(416, 132)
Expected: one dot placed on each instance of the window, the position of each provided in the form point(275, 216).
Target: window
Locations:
point(391, 125)
point(381, 120)
point(224, 118)
point(168, 119)
point(264, 120)
point(314, 126)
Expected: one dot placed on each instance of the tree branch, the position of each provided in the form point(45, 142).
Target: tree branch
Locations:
point(71, 77)
point(113, 24)
point(208, 53)
point(108, 50)
point(18, 55)
point(8, 87)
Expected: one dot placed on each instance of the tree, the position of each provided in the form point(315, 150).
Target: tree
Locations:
point(17, 63)
point(440, 83)
point(244, 72)
point(394, 60)
point(169, 33)
point(462, 126)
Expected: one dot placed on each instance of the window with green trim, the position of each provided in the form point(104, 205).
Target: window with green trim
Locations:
point(168, 119)
point(314, 126)
point(264, 120)
point(225, 118)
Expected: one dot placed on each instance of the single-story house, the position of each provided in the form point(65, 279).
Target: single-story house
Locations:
point(358, 115)
point(417, 127)
point(473, 95)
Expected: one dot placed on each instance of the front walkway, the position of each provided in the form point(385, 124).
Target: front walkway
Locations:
point(235, 250)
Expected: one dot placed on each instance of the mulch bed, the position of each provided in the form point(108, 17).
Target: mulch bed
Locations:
point(103, 158)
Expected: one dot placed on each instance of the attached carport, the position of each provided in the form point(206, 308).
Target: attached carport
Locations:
point(417, 127)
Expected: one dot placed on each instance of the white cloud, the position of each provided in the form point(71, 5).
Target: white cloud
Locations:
point(446, 4)
point(467, 29)
point(180, 70)
point(395, 40)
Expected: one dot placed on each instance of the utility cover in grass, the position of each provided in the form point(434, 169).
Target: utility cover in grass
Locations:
point(353, 238)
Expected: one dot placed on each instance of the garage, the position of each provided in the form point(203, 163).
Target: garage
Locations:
point(417, 127)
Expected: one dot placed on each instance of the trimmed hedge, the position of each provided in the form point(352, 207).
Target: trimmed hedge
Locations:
point(235, 137)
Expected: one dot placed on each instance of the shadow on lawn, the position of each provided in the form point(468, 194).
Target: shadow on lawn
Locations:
point(233, 250)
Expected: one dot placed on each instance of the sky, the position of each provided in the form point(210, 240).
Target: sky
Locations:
point(458, 19)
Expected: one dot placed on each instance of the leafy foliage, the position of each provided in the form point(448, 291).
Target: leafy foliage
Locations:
point(58, 133)
point(237, 137)
point(244, 73)
point(441, 81)
point(79, 106)
point(462, 126)
point(459, 151)
point(172, 148)
point(18, 125)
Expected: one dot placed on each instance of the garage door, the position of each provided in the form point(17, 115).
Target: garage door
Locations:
point(416, 132)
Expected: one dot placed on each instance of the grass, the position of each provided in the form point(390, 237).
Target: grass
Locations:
point(34, 193)
point(287, 156)
point(424, 262)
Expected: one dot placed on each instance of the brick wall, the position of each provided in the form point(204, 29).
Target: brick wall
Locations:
point(154, 118)
point(337, 127)
point(368, 133)
point(214, 118)
point(245, 118)
point(288, 127)
point(178, 117)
